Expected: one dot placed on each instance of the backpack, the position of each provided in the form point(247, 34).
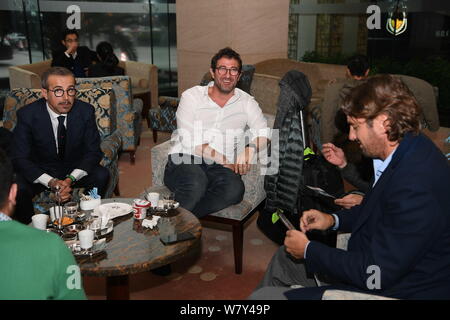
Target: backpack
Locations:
point(317, 172)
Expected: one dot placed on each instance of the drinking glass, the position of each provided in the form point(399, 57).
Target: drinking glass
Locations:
point(71, 209)
point(96, 226)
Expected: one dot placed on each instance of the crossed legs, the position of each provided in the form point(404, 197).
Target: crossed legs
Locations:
point(203, 188)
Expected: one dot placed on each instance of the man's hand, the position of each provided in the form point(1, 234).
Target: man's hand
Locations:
point(315, 220)
point(295, 243)
point(72, 47)
point(334, 155)
point(64, 188)
point(243, 161)
point(349, 200)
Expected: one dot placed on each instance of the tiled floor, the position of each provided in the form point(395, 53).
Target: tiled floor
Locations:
point(208, 273)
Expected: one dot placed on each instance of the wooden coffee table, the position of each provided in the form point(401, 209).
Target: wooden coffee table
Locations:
point(132, 249)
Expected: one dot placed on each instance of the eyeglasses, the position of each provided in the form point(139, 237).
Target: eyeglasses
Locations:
point(71, 92)
point(71, 40)
point(223, 70)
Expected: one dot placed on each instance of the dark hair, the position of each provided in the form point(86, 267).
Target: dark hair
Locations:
point(54, 71)
point(106, 54)
point(389, 95)
point(226, 52)
point(69, 31)
point(6, 177)
point(358, 65)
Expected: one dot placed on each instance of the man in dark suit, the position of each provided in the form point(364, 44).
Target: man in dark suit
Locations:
point(73, 57)
point(56, 144)
point(400, 233)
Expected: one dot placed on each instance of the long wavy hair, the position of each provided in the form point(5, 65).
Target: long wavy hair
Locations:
point(385, 94)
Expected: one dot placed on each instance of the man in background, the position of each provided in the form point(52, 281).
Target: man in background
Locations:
point(73, 57)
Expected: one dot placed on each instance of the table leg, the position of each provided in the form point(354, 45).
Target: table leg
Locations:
point(118, 288)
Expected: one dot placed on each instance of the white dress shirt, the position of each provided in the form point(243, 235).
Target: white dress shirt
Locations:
point(202, 121)
point(76, 173)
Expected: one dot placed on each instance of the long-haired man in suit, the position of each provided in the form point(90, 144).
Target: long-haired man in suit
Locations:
point(56, 144)
point(400, 233)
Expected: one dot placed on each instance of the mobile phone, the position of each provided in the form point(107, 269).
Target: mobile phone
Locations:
point(286, 222)
point(176, 237)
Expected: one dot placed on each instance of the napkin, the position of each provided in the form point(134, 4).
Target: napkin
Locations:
point(150, 223)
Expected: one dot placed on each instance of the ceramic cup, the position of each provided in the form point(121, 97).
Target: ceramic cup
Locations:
point(86, 238)
point(40, 221)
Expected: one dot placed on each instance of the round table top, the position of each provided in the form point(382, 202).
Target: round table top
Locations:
point(131, 248)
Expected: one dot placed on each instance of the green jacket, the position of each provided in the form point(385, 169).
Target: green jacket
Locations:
point(36, 265)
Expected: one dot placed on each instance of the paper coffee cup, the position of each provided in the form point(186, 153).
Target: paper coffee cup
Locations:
point(153, 197)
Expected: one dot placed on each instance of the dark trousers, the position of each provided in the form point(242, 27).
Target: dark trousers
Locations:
point(98, 177)
point(202, 188)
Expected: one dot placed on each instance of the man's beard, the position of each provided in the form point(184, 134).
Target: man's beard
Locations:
point(222, 89)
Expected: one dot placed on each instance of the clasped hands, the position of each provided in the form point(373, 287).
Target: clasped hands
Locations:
point(243, 161)
point(296, 240)
point(64, 188)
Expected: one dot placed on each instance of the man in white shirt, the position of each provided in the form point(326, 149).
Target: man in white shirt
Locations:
point(56, 144)
point(212, 149)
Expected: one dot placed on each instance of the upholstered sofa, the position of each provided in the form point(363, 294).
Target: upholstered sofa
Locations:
point(268, 74)
point(110, 137)
point(235, 215)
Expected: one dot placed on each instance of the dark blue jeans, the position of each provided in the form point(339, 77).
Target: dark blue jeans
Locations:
point(202, 188)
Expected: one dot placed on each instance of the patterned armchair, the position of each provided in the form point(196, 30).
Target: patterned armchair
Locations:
point(125, 112)
point(110, 138)
point(235, 215)
point(163, 118)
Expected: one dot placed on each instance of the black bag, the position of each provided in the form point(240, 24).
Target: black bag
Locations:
point(317, 172)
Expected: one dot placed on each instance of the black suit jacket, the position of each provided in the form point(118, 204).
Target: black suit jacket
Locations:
point(402, 226)
point(34, 147)
point(83, 59)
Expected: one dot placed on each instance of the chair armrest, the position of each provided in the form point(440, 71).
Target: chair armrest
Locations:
point(164, 117)
point(159, 154)
point(110, 147)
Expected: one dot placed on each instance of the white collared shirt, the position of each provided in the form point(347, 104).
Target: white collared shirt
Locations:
point(379, 166)
point(202, 121)
point(74, 55)
point(76, 173)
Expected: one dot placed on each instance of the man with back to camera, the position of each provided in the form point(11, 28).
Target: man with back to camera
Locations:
point(56, 144)
point(73, 57)
point(34, 264)
point(205, 164)
point(402, 226)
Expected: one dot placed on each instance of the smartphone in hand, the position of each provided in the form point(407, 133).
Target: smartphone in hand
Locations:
point(286, 221)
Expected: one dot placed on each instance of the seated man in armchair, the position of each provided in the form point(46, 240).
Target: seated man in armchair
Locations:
point(205, 164)
point(56, 144)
